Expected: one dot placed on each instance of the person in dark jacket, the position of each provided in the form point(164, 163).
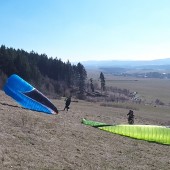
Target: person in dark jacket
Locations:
point(130, 117)
point(67, 103)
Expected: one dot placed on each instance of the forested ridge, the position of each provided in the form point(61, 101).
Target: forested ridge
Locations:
point(51, 75)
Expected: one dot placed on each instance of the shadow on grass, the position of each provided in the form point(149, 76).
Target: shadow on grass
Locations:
point(6, 104)
point(15, 106)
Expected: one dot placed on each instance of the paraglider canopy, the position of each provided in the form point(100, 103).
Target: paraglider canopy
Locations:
point(28, 96)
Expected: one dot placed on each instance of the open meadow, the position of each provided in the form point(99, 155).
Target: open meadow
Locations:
point(32, 140)
point(148, 89)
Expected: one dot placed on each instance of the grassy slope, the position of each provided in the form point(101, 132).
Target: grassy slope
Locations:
point(33, 140)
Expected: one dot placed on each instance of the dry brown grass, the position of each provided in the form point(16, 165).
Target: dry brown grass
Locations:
point(148, 89)
point(33, 140)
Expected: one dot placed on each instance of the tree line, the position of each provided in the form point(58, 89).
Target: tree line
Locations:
point(50, 74)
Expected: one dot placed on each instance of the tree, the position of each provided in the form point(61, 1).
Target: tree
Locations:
point(23, 67)
point(102, 80)
point(68, 75)
point(82, 76)
point(91, 85)
point(42, 71)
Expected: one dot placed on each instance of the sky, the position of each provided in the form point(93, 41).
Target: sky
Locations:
point(81, 30)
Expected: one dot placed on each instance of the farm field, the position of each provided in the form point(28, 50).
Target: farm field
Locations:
point(34, 140)
point(149, 89)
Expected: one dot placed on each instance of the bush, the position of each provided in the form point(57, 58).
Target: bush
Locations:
point(158, 102)
point(3, 78)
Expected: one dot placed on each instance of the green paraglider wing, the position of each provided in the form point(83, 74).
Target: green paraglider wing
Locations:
point(152, 133)
point(93, 123)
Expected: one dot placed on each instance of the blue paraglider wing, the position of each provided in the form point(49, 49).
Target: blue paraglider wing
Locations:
point(28, 96)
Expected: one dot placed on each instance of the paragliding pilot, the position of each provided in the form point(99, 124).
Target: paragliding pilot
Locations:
point(130, 117)
point(67, 103)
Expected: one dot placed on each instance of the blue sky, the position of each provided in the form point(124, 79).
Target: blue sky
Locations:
point(81, 30)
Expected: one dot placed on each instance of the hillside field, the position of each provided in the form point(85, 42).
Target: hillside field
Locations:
point(37, 141)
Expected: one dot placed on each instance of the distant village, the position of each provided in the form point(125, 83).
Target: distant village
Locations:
point(145, 75)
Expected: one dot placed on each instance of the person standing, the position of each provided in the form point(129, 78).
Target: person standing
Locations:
point(67, 103)
point(130, 117)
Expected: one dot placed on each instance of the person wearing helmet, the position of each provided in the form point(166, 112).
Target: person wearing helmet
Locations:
point(130, 117)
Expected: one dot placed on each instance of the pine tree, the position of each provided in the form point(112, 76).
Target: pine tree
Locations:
point(43, 71)
point(102, 80)
point(82, 76)
point(91, 85)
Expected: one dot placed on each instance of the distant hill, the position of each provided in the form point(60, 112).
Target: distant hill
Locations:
point(126, 64)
